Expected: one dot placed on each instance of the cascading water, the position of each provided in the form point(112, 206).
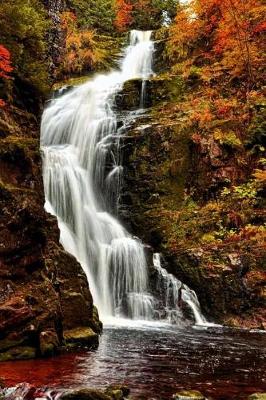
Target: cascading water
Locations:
point(80, 140)
point(175, 294)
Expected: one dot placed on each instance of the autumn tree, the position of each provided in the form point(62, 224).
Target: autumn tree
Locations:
point(124, 17)
point(5, 66)
point(5, 62)
point(83, 50)
point(226, 31)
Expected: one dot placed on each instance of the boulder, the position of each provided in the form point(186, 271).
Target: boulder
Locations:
point(189, 395)
point(85, 394)
point(49, 342)
point(257, 396)
point(81, 336)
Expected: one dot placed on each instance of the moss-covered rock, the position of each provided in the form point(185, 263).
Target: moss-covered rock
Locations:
point(85, 394)
point(113, 392)
point(157, 89)
point(18, 353)
point(81, 336)
point(189, 395)
point(49, 343)
point(257, 396)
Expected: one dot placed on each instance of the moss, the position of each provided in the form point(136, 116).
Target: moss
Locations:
point(6, 344)
point(80, 336)
point(257, 396)
point(18, 353)
point(189, 395)
point(79, 80)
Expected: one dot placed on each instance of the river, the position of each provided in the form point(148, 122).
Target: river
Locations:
point(155, 361)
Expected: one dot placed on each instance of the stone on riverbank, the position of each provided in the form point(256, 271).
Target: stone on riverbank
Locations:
point(188, 395)
point(257, 396)
point(115, 392)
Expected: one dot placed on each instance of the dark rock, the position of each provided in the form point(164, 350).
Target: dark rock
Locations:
point(43, 289)
point(81, 336)
point(85, 394)
point(49, 342)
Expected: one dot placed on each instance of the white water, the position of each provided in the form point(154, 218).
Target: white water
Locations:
point(79, 138)
point(176, 292)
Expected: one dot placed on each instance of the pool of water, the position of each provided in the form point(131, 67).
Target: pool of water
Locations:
point(156, 361)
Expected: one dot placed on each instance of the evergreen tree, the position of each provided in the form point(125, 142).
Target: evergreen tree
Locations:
point(91, 14)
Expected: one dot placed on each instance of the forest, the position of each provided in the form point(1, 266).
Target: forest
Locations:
point(132, 193)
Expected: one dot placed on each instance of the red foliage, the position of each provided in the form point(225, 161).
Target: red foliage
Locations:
point(123, 15)
point(5, 66)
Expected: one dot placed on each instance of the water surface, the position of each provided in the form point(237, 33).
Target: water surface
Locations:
point(156, 361)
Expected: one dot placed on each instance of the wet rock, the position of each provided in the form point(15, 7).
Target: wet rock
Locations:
point(85, 394)
point(113, 392)
point(49, 343)
point(188, 395)
point(23, 391)
point(96, 324)
point(18, 353)
point(128, 97)
point(117, 392)
point(81, 336)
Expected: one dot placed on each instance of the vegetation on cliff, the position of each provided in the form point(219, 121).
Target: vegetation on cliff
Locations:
point(200, 167)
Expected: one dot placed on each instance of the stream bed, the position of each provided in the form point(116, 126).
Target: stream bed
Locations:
point(155, 361)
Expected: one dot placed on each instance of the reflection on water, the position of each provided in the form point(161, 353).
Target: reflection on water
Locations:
point(156, 361)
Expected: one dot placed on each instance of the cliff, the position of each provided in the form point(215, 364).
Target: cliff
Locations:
point(45, 301)
point(174, 198)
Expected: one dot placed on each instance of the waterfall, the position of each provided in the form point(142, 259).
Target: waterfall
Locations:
point(175, 295)
point(80, 147)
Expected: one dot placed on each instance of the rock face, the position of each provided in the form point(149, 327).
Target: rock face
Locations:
point(170, 200)
point(45, 302)
point(56, 36)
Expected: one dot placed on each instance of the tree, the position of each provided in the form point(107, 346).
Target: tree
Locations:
point(23, 27)
point(152, 14)
point(5, 66)
point(5, 63)
point(82, 49)
point(123, 15)
point(97, 15)
point(226, 31)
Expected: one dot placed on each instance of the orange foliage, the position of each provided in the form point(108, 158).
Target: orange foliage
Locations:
point(123, 15)
point(231, 30)
point(81, 51)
